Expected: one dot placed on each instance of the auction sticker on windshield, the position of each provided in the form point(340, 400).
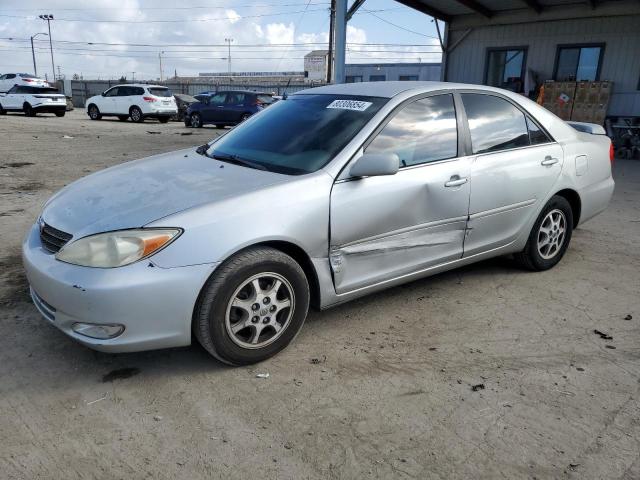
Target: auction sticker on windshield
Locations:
point(357, 105)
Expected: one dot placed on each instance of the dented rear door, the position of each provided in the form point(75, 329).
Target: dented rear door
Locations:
point(389, 226)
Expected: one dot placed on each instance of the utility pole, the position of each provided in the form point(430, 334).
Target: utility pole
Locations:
point(160, 58)
point(332, 24)
point(33, 53)
point(341, 40)
point(48, 18)
point(229, 40)
point(59, 74)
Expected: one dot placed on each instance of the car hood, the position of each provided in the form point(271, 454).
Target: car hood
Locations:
point(136, 193)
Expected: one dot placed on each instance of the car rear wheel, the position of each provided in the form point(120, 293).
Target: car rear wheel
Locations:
point(94, 113)
point(60, 114)
point(196, 120)
point(123, 118)
point(252, 307)
point(28, 110)
point(136, 114)
point(549, 237)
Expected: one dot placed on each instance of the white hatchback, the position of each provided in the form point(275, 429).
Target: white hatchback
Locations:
point(8, 80)
point(137, 101)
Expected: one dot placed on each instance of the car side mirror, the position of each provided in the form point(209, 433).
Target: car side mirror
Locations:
point(375, 164)
point(103, 94)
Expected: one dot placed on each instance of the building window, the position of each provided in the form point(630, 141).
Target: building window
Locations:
point(505, 68)
point(578, 62)
point(353, 79)
point(408, 78)
point(377, 78)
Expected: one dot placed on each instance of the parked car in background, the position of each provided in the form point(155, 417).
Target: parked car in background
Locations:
point(33, 100)
point(182, 103)
point(365, 186)
point(136, 101)
point(8, 80)
point(225, 108)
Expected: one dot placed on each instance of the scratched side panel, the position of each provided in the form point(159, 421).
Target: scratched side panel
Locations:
point(396, 255)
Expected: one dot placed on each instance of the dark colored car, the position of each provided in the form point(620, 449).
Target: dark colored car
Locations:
point(183, 101)
point(226, 108)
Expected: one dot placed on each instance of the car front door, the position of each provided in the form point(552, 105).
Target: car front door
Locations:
point(108, 102)
point(388, 226)
point(234, 107)
point(213, 111)
point(123, 100)
point(16, 97)
point(516, 163)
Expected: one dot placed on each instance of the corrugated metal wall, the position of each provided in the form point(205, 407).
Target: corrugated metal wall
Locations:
point(620, 64)
point(393, 71)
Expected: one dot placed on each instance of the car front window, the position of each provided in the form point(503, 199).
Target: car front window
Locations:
point(301, 134)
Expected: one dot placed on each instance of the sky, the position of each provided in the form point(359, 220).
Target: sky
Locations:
point(114, 38)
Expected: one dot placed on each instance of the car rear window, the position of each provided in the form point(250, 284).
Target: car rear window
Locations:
point(300, 134)
point(27, 75)
point(160, 92)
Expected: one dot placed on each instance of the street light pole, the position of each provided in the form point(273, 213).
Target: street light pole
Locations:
point(160, 58)
point(229, 40)
point(48, 18)
point(33, 53)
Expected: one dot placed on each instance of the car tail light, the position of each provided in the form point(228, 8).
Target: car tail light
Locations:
point(28, 80)
point(150, 99)
point(612, 153)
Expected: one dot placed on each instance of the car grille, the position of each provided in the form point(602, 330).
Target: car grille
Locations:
point(53, 239)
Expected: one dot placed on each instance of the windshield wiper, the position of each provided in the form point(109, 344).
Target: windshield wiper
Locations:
point(225, 157)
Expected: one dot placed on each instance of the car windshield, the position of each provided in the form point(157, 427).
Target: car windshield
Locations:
point(300, 134)
point(160, 92)
point(184, 97)
point(265, 98)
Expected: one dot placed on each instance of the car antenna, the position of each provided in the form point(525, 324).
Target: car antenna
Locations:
point(284, 94)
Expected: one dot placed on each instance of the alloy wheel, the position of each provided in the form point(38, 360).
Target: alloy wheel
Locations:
point(260, 310)
point(551, 234)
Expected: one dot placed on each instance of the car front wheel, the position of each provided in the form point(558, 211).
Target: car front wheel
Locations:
point(136, 114)
point(549, 237)
point(196, 120)
point(94, 113)
point(252, 307)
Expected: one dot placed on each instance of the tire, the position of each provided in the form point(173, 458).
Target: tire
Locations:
point(196, 120)
point(244, 117)
point(94, 112)
point(163, 119)
point(28, 110)
point(549, 237)
point(219, 125)
point(136, 114)
point(215, 318)
point(123, 118)
point(2, 110)
point(60, 114)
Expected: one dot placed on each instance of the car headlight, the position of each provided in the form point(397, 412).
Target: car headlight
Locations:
point(116, 249)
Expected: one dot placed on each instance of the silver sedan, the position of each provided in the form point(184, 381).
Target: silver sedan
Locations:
point(330, 194)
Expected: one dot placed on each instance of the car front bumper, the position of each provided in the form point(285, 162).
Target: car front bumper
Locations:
point(155, 305)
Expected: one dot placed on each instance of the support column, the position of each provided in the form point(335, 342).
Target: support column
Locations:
point(340, 40)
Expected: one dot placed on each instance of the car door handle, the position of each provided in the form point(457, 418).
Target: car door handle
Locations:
point(456, 181)
point(548, 161)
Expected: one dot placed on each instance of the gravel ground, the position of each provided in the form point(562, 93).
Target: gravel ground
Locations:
point(483, 372)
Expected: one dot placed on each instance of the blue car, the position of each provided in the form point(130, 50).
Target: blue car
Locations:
point(225, 108)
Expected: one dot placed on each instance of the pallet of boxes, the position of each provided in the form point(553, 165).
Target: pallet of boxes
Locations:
point(578, 101)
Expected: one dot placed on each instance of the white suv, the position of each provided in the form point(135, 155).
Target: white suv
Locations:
point(8, 80)
point(33, 100)
point(137, 101)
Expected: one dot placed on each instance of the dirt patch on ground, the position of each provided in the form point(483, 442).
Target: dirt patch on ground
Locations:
point(16, 287)
point(15, 164)
point(29, 187)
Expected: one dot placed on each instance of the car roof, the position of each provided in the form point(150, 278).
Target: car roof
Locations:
point(388, 89)
point(143, 85)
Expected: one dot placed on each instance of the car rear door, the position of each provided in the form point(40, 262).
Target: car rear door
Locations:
point(390, 226)
point(516, 163)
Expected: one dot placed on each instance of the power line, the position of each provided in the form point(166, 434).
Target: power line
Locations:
point(371, 12)
point(166, 45)
point(199, 7)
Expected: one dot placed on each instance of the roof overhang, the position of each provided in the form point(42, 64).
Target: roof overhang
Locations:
point(483, 12)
